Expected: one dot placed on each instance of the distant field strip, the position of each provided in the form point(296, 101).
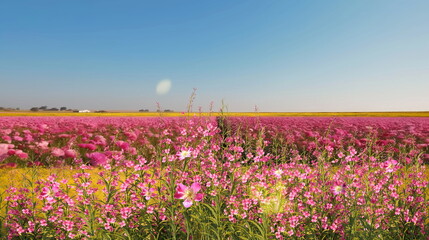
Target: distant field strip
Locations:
point(232, 114)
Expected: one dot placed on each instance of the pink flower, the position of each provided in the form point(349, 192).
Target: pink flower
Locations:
point(123, 145)
point(97, 158)
point(148, 192)
point(21, 154)
point(57, 152)
point(70, 153)
point(189, 194)
point(100, 140)
point(9, 165)
point(88, 146)
point(7, 139)
point(18, 138)
point(4, 148)
point(43, 144)
point(338, 189)
point(278, 173)
point(132, 151)
point(35, 163)
point(184, 154)
point(390, 165)
point(45, 192)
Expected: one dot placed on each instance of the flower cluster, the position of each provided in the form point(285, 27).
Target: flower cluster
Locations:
point(204, 178)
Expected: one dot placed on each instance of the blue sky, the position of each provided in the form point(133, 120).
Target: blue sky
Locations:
point(278, 55)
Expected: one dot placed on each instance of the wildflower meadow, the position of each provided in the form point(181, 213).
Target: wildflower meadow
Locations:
point(214, 178)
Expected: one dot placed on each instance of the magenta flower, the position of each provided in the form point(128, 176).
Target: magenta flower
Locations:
point(70, 153)
point(97, 158)
point(9, 165)
point(21, 154)
point(189, 194)
point(390, 165)
point(123, 145)
point(88, 146)
point(45, 192)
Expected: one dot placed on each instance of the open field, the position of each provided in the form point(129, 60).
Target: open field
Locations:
point(231, 114)
point(222, 177)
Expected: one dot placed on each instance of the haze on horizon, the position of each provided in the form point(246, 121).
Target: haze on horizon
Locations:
point(281, 56)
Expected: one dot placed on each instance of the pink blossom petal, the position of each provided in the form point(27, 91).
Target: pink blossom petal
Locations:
point(195, 187)
point(199, 197)
point(45, 192)
point(179, 195)
point(181, 188)
point(4, 147)
point(187, 203)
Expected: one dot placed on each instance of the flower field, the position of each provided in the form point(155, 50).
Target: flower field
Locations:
point(214, 178)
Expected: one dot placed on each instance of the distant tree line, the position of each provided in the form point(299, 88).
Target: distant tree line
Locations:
point(45, 108)
point(166, 110)
point(53, 109)
point(8, 109)
point(147, 110)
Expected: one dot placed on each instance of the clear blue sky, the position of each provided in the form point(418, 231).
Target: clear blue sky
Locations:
point(283, 55)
